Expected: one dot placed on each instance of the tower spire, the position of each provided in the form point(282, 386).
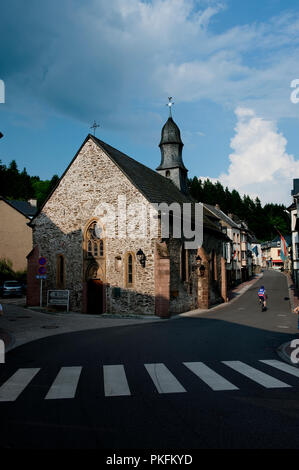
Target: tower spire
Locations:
point(171, 147)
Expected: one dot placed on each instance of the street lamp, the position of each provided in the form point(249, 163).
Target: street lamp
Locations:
point(141, 257)
point(198, 266)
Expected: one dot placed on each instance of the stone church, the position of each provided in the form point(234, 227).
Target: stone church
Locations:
point(107, 273)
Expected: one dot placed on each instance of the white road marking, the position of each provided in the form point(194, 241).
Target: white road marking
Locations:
point(257, 376)
point(282, 366)
point(115, 381)
point(14, 386)
point(211, 378)
point(164, 380)
point(65, 384)
point(283, 326)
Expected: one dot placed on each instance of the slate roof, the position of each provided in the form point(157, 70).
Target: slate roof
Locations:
point(22, 206)
point(154, 187)
point(221, 215)
point(273, 243)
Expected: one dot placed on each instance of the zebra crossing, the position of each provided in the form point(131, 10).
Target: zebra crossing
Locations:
point(115, 381)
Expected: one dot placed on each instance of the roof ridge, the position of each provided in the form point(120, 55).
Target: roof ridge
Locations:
point(163, 178)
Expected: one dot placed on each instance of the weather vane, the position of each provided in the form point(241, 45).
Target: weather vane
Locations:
point(170, 104)
point(94, 127)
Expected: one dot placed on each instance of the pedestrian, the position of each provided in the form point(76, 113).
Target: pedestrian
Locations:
point(1, 310)
point(296, 309)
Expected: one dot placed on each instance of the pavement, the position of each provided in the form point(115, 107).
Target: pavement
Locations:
point(209, 381)
point(20, 325)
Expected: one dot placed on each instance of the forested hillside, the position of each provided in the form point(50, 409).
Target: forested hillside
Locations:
point(16, 184)
point(262, 220)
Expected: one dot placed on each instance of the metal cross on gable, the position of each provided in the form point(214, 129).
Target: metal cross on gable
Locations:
point(170, 104)
point(94, 127)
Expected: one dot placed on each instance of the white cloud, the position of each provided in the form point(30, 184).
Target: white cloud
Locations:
point(259, 165)
point(99, 58)
point(205, 178)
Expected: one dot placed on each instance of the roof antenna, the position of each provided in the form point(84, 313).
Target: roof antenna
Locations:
point(94, 127)
point(170, 104)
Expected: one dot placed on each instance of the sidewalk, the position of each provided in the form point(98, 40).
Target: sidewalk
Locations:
point(285, 350)
point(19, 325)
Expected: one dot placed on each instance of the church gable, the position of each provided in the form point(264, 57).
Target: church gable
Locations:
point(91, 178)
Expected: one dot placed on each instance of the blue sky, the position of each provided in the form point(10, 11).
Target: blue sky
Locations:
point(228, 64)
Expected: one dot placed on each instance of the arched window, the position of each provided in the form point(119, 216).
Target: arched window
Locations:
point(130, 270)
point(167, 174)
point(101, 248)
point(60, 272)
point(94, 244)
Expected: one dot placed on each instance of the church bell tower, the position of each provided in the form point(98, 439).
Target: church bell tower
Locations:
point(171, 147)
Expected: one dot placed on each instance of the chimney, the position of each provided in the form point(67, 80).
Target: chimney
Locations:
point(32, 202)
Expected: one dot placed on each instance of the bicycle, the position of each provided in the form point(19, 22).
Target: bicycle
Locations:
point(262, 301)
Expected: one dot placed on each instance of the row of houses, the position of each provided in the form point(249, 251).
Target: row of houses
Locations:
point(294, 242)
point(282, 253)
point(273, 253)
point(242, 251)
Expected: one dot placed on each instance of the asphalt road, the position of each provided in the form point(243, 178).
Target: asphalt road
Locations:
point(180, 384)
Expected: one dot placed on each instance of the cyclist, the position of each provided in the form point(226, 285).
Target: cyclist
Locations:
point(262, 296)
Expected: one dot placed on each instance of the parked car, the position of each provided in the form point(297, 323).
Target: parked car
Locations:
point(11, 289)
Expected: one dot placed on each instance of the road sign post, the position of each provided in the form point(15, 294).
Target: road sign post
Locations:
point(42, 261)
